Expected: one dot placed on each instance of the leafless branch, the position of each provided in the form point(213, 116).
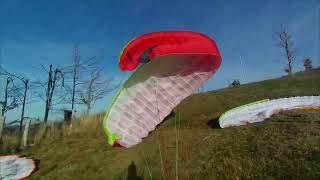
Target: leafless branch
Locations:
point(51, 96)
point(286, 43)
point(95, 88)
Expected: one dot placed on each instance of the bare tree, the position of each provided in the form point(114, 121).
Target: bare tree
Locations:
point(307, 63)
point(17, 94)
point(55, 78)
point(78, 70)
point(10, 100)
point(76, 64)
point(6, 105)
point(286, 43)
point(95, 88)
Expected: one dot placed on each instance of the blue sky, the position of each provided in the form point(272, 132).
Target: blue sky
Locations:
point(37, 31)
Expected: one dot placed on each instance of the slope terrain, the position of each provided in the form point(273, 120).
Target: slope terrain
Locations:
point(190, 145)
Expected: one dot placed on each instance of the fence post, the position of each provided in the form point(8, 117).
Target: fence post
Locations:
point(73, 115)
point(25, 134)
point(1, 127)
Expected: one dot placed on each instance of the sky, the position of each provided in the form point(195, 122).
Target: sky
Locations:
point(38, 32)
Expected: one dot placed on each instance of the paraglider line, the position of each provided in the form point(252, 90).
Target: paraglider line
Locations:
point(161, 160)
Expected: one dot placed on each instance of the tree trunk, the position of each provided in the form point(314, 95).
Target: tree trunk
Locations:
point(88, 108)
point(47, 107)
point(74, 86)
point(23, 104)
point(89, 99)
point(1, 127)
point(46, 114)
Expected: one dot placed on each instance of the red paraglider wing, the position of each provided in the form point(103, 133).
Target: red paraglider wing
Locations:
point(165, 43)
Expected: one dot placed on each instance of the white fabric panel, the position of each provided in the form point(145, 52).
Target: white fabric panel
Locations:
point(260, 111)
point(14, 167)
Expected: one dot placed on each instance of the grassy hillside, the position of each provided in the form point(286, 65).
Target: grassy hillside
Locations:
point(189, 145)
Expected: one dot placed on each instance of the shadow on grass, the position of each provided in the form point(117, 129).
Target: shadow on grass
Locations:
point(132, 172)
point(214, 123)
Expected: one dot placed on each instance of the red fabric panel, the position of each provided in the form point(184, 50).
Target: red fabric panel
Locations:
point(169, 42)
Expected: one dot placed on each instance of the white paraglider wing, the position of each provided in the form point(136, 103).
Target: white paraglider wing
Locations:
point(261, 110)
point(15, 167)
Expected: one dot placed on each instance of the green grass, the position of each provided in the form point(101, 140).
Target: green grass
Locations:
point(286, 146)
